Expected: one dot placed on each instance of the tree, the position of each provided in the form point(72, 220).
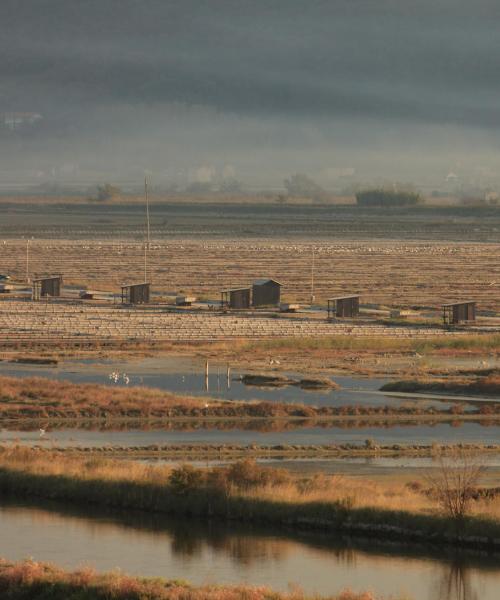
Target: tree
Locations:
point(455, 482)
point(199, 187)
point(107, 192)
point(230, 186)
point(300, 185)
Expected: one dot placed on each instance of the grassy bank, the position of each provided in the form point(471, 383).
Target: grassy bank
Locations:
point(247, 492)
point(37, 581)
point(469, 342)
point(38, 398)
point(237, 452)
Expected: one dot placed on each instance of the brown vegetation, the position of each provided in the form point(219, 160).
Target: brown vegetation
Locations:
point(32, 580)
point(30, 398)
point(248, 492)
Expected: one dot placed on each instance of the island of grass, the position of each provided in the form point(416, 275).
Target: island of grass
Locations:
point(487, 385)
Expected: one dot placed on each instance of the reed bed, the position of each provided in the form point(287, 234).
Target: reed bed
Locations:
point(247, 492)
point(31, 580)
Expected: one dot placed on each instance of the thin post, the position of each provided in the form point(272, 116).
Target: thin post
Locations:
point(206, 375)
point(147, 210)
point(312, 276)
point(228, 376)
point(148, 232)
point(27, 261)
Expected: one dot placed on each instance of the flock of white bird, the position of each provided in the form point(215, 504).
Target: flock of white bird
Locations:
point(117, 377)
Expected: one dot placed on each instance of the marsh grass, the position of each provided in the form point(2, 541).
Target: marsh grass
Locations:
point(28, 580)
point(247, 492)
point(38, 398)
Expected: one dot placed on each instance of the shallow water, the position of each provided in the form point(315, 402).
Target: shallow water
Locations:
point(186, 376)
point(459, 432)
point(199, 552)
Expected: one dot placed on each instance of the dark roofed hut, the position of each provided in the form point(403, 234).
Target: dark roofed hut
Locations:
point(343, 306)
point(457, 312)
point(47, 286)
point(266, 292)
point(236, 298)
point(137, 293)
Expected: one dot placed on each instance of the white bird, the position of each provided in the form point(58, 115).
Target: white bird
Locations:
point(206, 404)
point(42, 432)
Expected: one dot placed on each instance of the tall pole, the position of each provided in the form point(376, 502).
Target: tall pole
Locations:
point(312, 276)
point(148, 233)
point(27, 261)
point(147, 210)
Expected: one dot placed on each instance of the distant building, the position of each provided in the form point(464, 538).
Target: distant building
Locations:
point(266, 292)
point(16, 120)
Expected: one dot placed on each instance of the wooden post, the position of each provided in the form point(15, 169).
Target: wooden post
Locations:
point(228, 376)
point(206, 375)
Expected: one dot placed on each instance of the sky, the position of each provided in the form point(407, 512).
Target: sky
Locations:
point(387, 89)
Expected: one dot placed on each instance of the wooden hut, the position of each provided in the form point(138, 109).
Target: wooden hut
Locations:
point(266, 292)
point(343, 306)
point(137, 293)
point(457, 312)
point(47, 286)
point(235, 298)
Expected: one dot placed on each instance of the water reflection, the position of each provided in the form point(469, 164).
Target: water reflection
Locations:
point(262, 425)
point(456, 583)
point(153, 545)
point(188, 376)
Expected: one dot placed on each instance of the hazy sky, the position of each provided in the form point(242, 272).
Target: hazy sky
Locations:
point(393, 88)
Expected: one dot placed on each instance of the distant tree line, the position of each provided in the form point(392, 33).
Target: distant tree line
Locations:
point(384, 197)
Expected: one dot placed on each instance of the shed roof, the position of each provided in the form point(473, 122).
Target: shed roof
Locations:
point(460, 303)
point(264, 281)
point(130, 285)
point(242, 289)
point(46, 278)
point(343, 298)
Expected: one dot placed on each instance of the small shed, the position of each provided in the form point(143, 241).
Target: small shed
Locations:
point(343, 306)
point(235, 298)
point(266, 292)
point(137, 293)
point(47, 286)
point(456, 312)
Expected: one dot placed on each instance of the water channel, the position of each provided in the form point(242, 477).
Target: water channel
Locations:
point(149, 545)
point(187, 376)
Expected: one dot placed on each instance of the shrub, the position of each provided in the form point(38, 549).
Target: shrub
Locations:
point(185, 479)
point(246, 474)
point(454, 485)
